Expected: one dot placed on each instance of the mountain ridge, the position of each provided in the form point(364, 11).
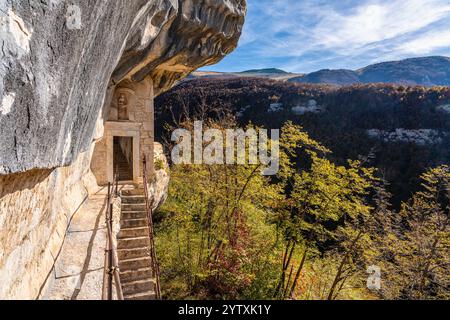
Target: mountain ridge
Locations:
point(426, 71)
point(268, 73)
point(266, 70)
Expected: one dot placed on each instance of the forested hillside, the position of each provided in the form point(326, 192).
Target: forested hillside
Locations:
point(344, 119)
point(359, 209)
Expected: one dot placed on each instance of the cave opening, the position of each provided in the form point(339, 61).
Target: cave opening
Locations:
point(123, 158)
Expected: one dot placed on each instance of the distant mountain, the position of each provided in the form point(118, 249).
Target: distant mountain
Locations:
point(269, 73)
point(427, 71)
point(337, 77)
point(265, 71)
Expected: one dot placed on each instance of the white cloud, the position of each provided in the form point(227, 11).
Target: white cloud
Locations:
point(304, 35)
point(376, 21)
point(426, 43)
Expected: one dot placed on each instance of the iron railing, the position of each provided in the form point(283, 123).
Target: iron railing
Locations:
point(153, 257)
point(111, 270)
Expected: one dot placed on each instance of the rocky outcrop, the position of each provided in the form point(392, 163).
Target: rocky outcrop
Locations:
point(35, 210)
point(59, 58)
point(59, 64)
point(159, 188)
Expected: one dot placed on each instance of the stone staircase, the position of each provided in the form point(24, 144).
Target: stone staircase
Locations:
point(134, 248)
point(121, 165)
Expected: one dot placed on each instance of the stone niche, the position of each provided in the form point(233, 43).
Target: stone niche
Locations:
point(128, 134)
point(122, 101)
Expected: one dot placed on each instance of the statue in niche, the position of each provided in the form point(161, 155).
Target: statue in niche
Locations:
point(122, 106)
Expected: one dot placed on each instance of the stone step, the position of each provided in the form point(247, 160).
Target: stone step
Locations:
point(133, 232)
point(133, 192)
point(125, 174)
point(134, 215)
point(133, 243)
point(134, 264)
point(138, 286)
point(126, 254)
point(133, 223)
point(134, 207)
point(133, 200)
point(135, 275)
point(149, 295)
point(123, 166)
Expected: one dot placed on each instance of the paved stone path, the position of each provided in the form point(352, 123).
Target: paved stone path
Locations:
point(78, 272)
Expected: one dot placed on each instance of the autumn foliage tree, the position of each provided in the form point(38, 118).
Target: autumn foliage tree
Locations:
point(311, 231)
point(419, 264)
point(321, 197)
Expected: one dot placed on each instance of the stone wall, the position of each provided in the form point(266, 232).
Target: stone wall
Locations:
point(99, 167)
point(126, 145)
point(35, 210)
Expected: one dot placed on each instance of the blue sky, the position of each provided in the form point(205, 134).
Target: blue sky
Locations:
point(308, 35)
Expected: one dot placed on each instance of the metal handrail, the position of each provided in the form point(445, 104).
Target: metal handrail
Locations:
point(154, 260)
point(111, 269)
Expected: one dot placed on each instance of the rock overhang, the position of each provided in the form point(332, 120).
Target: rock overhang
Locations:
point(61, 84)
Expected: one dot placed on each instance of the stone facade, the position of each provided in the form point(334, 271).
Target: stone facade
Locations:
point(130, 114)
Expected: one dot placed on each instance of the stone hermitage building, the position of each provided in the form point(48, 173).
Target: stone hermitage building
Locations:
point(129, 132)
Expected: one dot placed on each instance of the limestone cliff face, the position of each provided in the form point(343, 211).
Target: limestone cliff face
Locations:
point(35, 210)
point(57, 74)
point(159, 188)
point(58, 61)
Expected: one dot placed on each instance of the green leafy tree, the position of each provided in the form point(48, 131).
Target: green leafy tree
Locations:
point(322, 196)
point(214, 231)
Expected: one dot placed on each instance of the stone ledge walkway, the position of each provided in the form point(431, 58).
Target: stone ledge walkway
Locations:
point(78, 272)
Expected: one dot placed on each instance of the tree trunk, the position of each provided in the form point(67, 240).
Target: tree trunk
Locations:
point(297, 275)
point(337, 278)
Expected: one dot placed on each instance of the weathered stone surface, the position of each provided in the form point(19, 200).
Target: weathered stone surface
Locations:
point(78, 271)
point(35, 209)
point(159, 188)
point(54, 84)
point(140, 108)
point(54, 79)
